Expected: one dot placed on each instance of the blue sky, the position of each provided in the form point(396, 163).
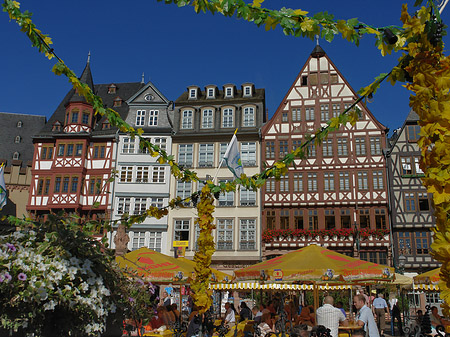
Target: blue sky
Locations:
point(175, 48)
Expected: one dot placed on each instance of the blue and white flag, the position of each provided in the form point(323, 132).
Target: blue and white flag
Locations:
point(3, 197)
point(232, 158)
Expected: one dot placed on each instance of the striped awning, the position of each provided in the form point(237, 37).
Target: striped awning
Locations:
point(274, 286)
point(431, 287)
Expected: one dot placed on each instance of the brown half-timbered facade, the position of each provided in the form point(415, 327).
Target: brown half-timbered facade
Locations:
point(75, 151)
point(411, 205)
point(337, 197)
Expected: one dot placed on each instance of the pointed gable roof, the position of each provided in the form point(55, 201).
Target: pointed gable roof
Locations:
point(86, 78)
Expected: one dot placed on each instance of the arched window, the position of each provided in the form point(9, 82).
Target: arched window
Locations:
point(19, 124)
point(17, 139)
point(16, 155)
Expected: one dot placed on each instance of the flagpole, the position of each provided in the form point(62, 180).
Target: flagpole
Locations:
point(221, 162)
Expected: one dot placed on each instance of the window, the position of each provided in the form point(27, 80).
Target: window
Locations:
point(128, 145)
point(86, 117)
point(360, 146)
point(138, 240)
point(57, 184)
point(142, 174)
point(404, 243)
point(17, 139)
point(380, 218)
point(336, 110)
point(423, 202)
point(154, 241)
point(47, 152)
point(16, 155)
point(229, 92)
point(311, 151)
point(344, 181)
point(324, 112)
point(74, 187)
point(126, 174)
point(193, 93)
point(153, 117)
point(181, 230)
point(187, 119)
point(328, 180)
point(210, 92)
point(224, 234)
point(206, 155)
point(247, 234)
point(79, 150)
point(248, 153)
point(270, 219)
point(312, 182)
point(327, 148)
point(66, 182)
point(157, 202)
point(106, 125)
point(406, 165)
point(227, 118)
point(117, 102)
point(270, 150)
point(123, 206)
point(140, 205)
point(284, 184)
point(298, 182)
point(248, 197)
point(222, 150)
point(309, 113)
point(421, 243)
point(313, 219)
point(61, 148)
point(413, 133)
point(69, 150)
point(362, 181)
point(158, 174)
point(185, 154)
point(19, 124)
point(184, 190)
point(378, 182)
point(342, 147)
point(284, 148)
point(226, 198)
point(247, 91)
point(207, 119)
point(40, 186)
point(99, 151)
point(364, 218)
point(56, 126)
point(270, 185)
point(112, 89)
point(345, 218)
point(298, 219)
point(249, 117)
point(296, 115)
point(161, 142)
point(330, 220)
point(284, 219)
point(74, 116)
point(284, 117)
point(375, 146)
point(410, 202)
point(417, 166)
point(95, 185)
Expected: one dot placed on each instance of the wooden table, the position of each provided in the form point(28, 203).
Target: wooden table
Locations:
point(349, 328)
point(165, 333)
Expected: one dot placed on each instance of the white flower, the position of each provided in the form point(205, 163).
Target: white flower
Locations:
point(84, 286)
point(42, 292)
point(50, 305)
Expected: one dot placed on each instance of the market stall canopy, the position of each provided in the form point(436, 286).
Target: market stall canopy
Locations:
point(155, 267)
point(274, 286)
point(218, 275)
point(403, 280)
point(315, 264)
point(428, 281)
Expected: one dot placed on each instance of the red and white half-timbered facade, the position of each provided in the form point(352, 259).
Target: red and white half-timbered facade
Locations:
point(337, 197)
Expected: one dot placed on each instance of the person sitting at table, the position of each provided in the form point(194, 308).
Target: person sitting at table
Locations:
point(256, 314)
point(330, 317)
point(159, 320)
point(230, 317)
point(306, 316)
point(266, 325)
point(245, 312)
point(436, 319)
point(300, 331)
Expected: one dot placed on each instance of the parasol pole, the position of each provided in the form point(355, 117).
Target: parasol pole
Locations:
point(315, 295)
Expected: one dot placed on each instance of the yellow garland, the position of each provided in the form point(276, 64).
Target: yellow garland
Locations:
point(430, 71)
point(206, 248)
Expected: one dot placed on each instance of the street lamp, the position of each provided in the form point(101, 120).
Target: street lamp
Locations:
point(401, 264)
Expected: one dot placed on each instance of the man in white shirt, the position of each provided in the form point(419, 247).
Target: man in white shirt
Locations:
point(230, 319)
point(364, 318)
point(330, 317)
point(379, 306)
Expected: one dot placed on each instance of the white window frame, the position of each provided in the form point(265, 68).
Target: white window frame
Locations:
point(226, 199)
point(247, 197)
point(225, 234)
point(140, 205)
point(248, 153)
point(207, 118)
point(128, 145)
point(142, 174)
point(153, 117)
point(140, 117)
point(247, 234)
point(184, 190)
point(158, 174)
point(210, 92)
point(181, 225)
point(363, 181)
point(126, 174)
point(206, 155)
point(247, 91)
point(138, 240)
point(298, 182)
point(161, 142)
point(185, 154)
point(228, 118)
point(123, 205)
point(155, 241)
point(187, 119)
point(157, 202)
point(248, 116)
point(229, 92)
point(192, 93)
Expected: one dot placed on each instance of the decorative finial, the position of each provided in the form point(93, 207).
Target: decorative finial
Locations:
point(89, 57)
point(143, 78)
point(317, 39)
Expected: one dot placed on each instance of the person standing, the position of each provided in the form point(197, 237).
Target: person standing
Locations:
point(379, 307)
point(330, 317)
point(395, 315)
point(364, 318)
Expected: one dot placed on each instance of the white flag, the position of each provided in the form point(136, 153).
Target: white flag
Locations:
point(232, 158)
point(3, 197)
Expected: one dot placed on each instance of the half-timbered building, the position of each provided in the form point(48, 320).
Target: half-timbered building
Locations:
point(74, 153)
point(204, 123)
point(337, 197)
point(411, 205)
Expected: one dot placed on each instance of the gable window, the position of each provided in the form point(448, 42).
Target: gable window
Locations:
point(406, 165)
point(324, 112)
point(362, 180)
point(413, 133)
point(128, 145)
point(210, 93)
point(378, 182)
point(229, 92)
point(19, 124)
point(207, 119)
point(342, 147)
point(344, 181)
point(247, 91)
point(117, 102)
point(375, 146)
point(140, 118)
point(296, 115)
point(106, 125)
point(225, 234)
point(181, 230)
point(192, 93)
point(360, 147)
point(247, 234)
point(248, 153)
point(153, 118)
point(185, 154)
point(17, 139)
point(85, 118)
point(249, 116)
point(328, 180)
point(186, 119)
point(284, 117)
point(309, 112)
point(56, 126)
point(312, 182)
point(206, 155)
point(227, 118)
point(336, 110)
point(112, 89)
point(270, 150)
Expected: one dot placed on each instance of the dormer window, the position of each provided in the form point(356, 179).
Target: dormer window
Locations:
point(192, 93)
point(56, 126)
point(17, 139)
point(229, 92)
point(16, 155)
point(19, 124)
point(210, 92)
point(247, 91)
point(117, 102)
point(112, 89)
point(106, 126)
